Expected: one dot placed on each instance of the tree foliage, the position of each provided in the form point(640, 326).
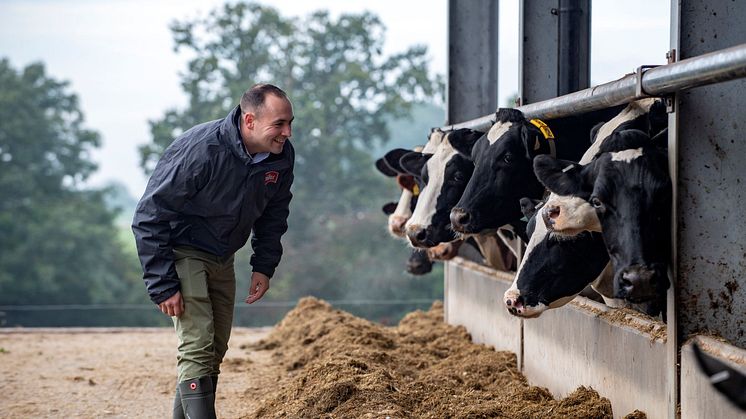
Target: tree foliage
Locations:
point(59, 244)
point(344, 92)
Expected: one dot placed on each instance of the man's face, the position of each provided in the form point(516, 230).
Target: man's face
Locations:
point(269, 128)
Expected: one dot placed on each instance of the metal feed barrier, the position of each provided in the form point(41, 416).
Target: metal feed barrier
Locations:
point(636, 363)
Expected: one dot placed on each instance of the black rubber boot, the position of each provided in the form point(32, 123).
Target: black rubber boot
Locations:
point(214, 379)
point(178, 409)
point(198, 398)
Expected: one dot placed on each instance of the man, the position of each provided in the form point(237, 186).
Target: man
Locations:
point(215, 185)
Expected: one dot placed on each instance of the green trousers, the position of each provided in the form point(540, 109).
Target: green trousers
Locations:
point(208, 288)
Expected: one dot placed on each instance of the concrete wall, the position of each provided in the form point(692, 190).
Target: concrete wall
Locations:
point(587, 344)
point(699, 399)
point(473, 299)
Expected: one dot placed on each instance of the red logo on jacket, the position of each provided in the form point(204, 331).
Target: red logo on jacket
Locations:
point(271, 177)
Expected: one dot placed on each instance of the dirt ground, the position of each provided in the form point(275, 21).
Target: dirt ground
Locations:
point(118, 373)
point(317, 362)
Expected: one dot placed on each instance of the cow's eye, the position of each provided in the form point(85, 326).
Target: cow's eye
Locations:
point(597, 204)
point(458, 177)
point(508, 158)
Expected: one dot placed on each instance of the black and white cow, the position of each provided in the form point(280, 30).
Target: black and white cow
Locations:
point(443, 174)
point(503, 170)
point(629, 189)
point(566, 228)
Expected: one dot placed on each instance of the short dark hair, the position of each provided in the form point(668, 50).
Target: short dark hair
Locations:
point(253, 99)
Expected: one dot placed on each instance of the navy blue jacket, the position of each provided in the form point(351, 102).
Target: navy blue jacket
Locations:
point(204, 193)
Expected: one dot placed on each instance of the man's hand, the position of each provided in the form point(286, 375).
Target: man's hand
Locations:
point(259, 285)
point(174, 306)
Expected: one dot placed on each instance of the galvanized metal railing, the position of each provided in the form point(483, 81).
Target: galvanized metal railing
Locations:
point(715, 67)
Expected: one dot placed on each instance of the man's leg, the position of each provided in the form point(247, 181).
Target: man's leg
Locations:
point(195, 330)
point(222, 288)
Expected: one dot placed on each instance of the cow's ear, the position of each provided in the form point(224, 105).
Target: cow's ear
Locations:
point(463, 140)
point(413, 162)
point(392, 158)
point(384, 168)
point(534, 141)
point(559, 176)
point(389, 208)
point(594, 131)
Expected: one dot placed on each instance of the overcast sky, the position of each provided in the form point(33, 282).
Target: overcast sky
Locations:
point(118, 54)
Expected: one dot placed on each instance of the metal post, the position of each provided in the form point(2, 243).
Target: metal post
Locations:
point(711, 183)
point(472, 59)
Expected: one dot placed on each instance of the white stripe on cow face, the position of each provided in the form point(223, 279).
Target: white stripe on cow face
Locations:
point(426, 201)
point(498, 130)
point(540, 233)
point(436, 137)
point(401, 214)
point(630, 112)
point(626, 155)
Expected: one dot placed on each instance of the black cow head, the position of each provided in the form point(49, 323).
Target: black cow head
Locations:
point(443, 176)
point(419, 262)
point(629, 189)
point(553, 270)
point(502, 173)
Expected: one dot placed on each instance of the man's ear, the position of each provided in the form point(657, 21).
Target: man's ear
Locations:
point(413, 162)
point(559, 176)
point(389, 208)
point(248, 119)
point(463, 140)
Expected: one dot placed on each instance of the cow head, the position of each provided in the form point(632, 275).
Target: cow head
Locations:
point(502, 173)
point(419, 262)
point(627, 187)
point(444, 175)
point(398, 216)
point(553, 270)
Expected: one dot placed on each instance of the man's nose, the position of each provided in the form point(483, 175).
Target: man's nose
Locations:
point(287, 131)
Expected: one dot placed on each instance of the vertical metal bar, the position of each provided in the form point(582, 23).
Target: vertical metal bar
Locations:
point(672, 341)
point(574, 46)
point(539, 40)
point(472, 59)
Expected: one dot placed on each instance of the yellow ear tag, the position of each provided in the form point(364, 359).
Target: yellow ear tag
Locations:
point(415, 190)
point(544, 128)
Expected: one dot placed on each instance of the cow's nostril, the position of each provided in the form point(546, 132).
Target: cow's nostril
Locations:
point(553, 212)
point(421, 235)
point(509, 302)
point(464, 218)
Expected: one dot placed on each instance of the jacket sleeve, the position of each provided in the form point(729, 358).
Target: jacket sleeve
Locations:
point(269, 228)
point(174, 181)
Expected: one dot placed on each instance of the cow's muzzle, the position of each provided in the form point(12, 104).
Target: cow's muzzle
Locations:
point(460, 220)
point(640, 283)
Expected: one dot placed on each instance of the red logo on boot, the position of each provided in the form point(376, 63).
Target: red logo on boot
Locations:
point(193, 386)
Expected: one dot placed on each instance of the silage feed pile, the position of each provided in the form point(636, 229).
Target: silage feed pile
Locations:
point(342, 366)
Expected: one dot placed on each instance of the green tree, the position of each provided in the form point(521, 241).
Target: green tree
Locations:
point(344, 92)
point(59, 243)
